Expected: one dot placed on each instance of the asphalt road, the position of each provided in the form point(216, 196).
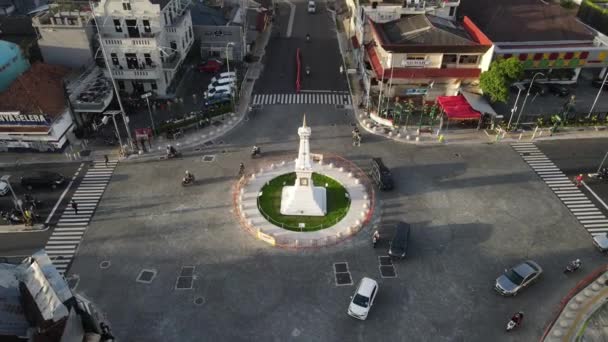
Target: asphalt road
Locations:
point(23, 244)
point(474, 210)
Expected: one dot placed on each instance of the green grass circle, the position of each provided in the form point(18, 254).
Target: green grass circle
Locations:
point(338, 203)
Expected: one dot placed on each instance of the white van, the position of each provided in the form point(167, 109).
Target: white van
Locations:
point(217, 91)
point(223, 75)
point(363, 299)
point(222, 82)
point(312, 7)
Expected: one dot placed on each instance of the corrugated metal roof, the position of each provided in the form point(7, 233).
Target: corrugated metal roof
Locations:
point(48, 303)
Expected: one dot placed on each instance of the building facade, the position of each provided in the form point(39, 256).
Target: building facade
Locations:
point(65, 31)
point(145, 42)
point(423, 56)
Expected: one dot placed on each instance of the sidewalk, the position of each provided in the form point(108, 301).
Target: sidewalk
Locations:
point(578, 308)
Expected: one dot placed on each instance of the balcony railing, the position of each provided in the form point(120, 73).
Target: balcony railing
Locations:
point(172, 61)
point(135, 74)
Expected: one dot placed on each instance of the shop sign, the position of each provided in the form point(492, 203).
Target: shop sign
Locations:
point(415, 91)
point(18, 119)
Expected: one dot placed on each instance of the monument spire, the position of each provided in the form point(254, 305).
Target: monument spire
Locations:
point(304, 121)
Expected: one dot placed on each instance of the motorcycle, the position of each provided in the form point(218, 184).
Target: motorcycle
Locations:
point(511, 325)
point(188, 181)
point(573, 266)
point(375, 239)
point(515, 321)
point(603, 174)
point(307, 71)
point(256, 152)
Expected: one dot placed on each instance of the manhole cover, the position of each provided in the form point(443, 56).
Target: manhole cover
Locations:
point(187, 271)
point(199, 300)
point(526, 154)
point(343, 279)
point(146, 276)
point(385, 261)
point(387, 272)
point(457, 155)
point(208, 143)
point(104, 264)
point(184, 283)
point(208, 158)
point(340, 267)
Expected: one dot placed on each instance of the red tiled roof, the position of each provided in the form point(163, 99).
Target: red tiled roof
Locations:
point(38, 91)
point(417, 72)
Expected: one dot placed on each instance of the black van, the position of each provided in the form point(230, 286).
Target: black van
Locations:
point(42, 179)
point(381, 175)
point(398, 248)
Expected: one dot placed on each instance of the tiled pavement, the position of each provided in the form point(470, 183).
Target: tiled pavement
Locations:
point(586, 212)
point(70, 229)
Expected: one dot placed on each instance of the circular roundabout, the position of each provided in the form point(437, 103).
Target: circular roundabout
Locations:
point(343, 219)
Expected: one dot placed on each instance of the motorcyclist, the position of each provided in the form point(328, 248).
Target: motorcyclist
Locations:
point(307, 70)
point(171, 151)
point(518, 318)
point(575, 264)
point(376, 236)
point(188, 178)
point(241, 169)
point(255, 150)
point(307, 37)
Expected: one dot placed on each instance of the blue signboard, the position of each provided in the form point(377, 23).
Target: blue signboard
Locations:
point(18, 119)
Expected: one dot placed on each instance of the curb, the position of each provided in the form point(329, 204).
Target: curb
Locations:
point(30, 230)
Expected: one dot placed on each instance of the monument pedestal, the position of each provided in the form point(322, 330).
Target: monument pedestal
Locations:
point(308, 201)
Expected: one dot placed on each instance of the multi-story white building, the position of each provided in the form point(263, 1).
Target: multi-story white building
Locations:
point(145, 42)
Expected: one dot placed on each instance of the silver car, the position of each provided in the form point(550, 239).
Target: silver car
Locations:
point(601, 241)
point(517, 278)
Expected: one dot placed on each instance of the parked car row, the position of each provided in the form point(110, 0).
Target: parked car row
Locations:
point(220, 90)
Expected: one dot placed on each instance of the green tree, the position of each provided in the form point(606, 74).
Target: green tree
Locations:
point(495, 82)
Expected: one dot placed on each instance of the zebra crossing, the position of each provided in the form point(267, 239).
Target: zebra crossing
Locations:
point(329, 98)
point(594, 221)
point(68, 233)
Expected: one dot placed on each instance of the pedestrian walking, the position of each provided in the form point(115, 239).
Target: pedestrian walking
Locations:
point(105, 159)
point(579, 180)
point(75, 207)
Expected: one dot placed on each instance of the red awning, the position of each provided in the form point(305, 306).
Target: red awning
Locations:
point(457, 108)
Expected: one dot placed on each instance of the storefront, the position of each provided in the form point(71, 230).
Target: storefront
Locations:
point(36, 132)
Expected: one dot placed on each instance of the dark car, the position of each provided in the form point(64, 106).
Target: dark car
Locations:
point(536, 89)
point(381, 175)
point(558, 89)
point(596, 83)
point(42, 179)
point(398, 247)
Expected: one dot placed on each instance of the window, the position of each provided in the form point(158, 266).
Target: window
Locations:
point(132, 62)
point(114, 59)
point(523, 57)
point(449, 59)
point(117, 25)
point(569, 55)
point(468, 59)
point(584, 55)
point(553, 56)
point(153, 85)
point(538, 56)
point(147, 25)
point(148, 58)
point(452, 11)
point(126, 6)
point(121, 84)
point(507, 55)
point(132, 28)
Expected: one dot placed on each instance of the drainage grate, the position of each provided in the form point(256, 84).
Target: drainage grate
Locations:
point(187, 271)
point(208, 143)
point(184, 283)
point(343, 279)
point(146, 276)
point(208, 158)
point(385, 261)
point(104, 264)
point(388, 272)
point(340, 267)
point(199, 300)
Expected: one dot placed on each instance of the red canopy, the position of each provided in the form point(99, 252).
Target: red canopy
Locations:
point(457, 108)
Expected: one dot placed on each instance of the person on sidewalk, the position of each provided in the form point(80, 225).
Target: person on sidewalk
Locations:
point(579, 180)
point(75, 207)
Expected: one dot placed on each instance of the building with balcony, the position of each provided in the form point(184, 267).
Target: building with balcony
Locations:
point(145, 42)
point(544, 36)
point(423, 56)
point(65, 29)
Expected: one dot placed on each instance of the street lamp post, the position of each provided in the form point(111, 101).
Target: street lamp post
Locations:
point(230, 44)
point(598, 95)
point(146, 96)
point(523, 105)
point(18, 204)
point(514, 109)
point(113, 113)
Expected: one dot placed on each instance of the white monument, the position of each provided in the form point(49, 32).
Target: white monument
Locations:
point(303, 198)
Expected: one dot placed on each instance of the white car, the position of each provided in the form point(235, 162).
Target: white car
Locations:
point(223, 75)
point(4, 189)
point(222, 82)
point(312, 7)
point(219, 91)
point(363, 299)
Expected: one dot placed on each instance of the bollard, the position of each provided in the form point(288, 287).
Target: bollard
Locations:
point(417, 138)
